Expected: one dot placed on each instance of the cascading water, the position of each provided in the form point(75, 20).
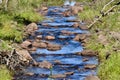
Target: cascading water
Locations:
point(69, 61)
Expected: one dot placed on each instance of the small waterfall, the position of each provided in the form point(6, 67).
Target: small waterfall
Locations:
point(69, 2)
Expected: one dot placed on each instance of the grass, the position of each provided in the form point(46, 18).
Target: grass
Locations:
point(109, 69)
point(5, 74)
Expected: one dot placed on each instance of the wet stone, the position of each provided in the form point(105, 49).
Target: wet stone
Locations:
point(39, 45)
point(44, 64)
point(85, 59)
point(69, 73)
point(90, 66)
point(50, 37)
point(87, 53)
point(92, 78)
point(29, 74)
point(58, 76)
point(53, 47)
point(26, 44)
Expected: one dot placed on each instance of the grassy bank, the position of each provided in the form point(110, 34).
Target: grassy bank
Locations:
point(105, 37)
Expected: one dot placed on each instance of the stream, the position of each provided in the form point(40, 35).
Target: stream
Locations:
point(69, 61)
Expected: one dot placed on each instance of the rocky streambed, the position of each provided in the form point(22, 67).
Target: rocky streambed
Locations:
point(57, 46)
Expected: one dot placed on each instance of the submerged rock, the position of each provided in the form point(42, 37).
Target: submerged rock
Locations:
point(44, 64)
point(92, 78)
point(58, 76)
point(90, 66)
point(53, 47)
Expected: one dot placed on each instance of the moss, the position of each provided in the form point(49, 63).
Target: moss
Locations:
point(5, 74)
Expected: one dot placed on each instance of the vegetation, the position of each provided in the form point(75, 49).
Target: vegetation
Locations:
point(4, 73)
point(108, 52)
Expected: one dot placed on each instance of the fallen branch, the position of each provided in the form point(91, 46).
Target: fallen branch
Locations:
point(102, 15)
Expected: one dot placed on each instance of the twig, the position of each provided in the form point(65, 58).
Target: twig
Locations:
point(90, 26)
point(106, 5)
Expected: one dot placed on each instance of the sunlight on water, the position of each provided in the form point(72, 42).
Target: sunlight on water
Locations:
point(69, 2)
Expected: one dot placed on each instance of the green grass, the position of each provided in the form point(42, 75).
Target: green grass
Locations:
point(5, 74)
point(109, 69)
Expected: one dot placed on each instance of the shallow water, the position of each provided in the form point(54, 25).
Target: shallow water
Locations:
point(69, 61)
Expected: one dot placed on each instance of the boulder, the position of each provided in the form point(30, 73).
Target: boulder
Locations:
point(80, 37)
point(44, 64)
point(76, 9)
point(87, 53)
point(39, 44)
point(92, 78)
point(25, 54)
point(53, 47)
point(50, 37)
point(26, 44)
point(58, 76)
point(31, 28)
point(90, 66)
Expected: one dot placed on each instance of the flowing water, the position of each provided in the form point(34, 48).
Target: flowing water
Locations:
point(69, 61)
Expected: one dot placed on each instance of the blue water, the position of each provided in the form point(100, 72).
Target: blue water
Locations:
point(69, 61)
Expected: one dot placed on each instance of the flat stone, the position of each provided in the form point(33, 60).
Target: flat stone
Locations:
point(92, 78)
point(69, 73)
point(58, 76)
point(53, 47)
point(29, 74)
point(44, 64)
point(90, 66)
point(39, 44)
point(26, 44)
point(50, 37)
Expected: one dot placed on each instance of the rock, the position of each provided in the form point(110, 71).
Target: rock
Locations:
point(76, 25)
point(31, 28)
point(44, 64)
point(58, 76)
point(115, 35)
point(90, 66)
point(53, 47)
point(39, 37)
point(92, 78)
point(85, 59)
point(66, 13)
point(44, 8)
point(102, 39)
point(26, 45)
point(32, 49)
point(80, 37)
point(57, 62)
point(25, 54)
point(87, 53)
point(67, 32)
point(29, 74)
point(69, 73)
point(39, 44)
point(83, 27)
point(76, 9)
point(50, 37)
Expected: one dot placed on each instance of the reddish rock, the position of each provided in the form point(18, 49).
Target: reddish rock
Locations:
point(87, 53)
point(50, 37)
point(26, 44)
point(92, 78)
point(53, 47)
point(90, 66)
point(44, 64)
point(40, 44)
point(58, 76)
point(69, 73)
